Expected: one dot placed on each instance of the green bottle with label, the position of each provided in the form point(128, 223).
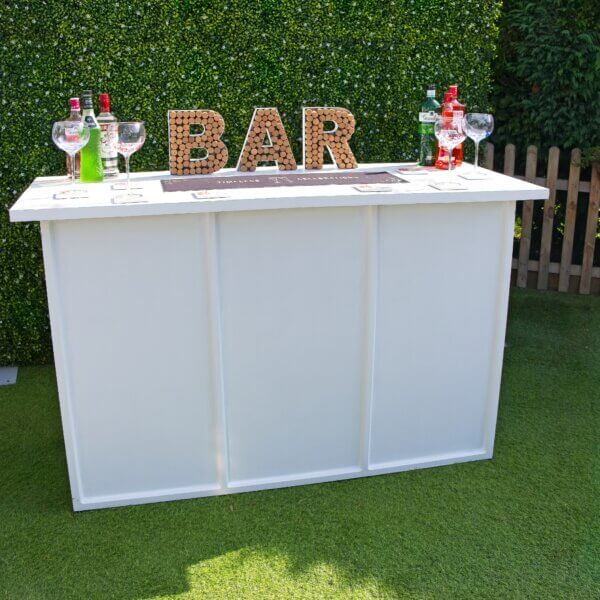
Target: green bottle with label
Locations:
point(430, 109)
point(91, 170)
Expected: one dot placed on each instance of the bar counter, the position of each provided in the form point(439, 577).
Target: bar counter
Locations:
point(276, 336)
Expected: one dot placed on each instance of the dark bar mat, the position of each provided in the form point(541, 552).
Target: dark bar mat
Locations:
point(193, 184)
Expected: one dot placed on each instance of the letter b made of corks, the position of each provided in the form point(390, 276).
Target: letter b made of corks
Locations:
point(327, 129)
point(196, 131)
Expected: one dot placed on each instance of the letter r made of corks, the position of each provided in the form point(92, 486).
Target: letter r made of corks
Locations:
point(328, 129)
point(195, 144)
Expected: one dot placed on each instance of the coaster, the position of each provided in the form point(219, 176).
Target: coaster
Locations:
point(414, 171)
point(474, 175)
point(74, 194)
point(446, 186)
point(209, 194)
point(122, 186)
point(373, 187)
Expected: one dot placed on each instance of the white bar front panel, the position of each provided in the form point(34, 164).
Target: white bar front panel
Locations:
point(134, 318)
point(206, 354)
point(293, 325)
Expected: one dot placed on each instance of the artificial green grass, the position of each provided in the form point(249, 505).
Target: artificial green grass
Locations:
point(523, 525)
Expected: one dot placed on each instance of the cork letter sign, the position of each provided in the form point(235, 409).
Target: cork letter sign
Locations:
point(333, 138)
point(266, 141)
point(185, 140)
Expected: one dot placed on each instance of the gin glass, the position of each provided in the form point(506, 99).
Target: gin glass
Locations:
point(449, 133)
point(132, 135)
point(478, 126)
point(71, 137)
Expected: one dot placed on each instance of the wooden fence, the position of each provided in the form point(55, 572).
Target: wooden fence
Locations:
point(564, 276)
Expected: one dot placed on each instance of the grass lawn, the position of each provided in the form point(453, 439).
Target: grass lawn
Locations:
point(523, 525)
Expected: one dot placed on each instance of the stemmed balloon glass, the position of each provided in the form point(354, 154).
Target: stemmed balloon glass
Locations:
point(478, 126)
point(71, 137)
point(449, 133)
point(132, 135)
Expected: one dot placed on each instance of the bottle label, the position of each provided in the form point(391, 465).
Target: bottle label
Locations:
point(72, 132)
point(457, 116)
point(427, 117)
point(109, 139)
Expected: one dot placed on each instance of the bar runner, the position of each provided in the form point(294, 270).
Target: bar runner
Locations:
point(193, 184)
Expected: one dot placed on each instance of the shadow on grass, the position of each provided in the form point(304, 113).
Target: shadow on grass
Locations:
point(516, 526)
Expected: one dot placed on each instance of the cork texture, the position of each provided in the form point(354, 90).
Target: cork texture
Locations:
point(266, 126)
point(318, 138)
point(213, 152)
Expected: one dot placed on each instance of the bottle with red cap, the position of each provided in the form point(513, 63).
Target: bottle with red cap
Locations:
point(447, 113)
point(109, 127)
point(75, 116)
point(458, 112)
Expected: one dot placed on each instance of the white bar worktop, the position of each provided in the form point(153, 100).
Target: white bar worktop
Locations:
point(37, 202)
point(274, 337)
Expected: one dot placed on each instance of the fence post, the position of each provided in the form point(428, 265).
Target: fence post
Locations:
point(566, 256)
point(509, 159)
point(548, 222)
point(526, 220)
point(590, 231)
point(489, 156)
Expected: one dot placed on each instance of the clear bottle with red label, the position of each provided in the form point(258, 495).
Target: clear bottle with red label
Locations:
point(109, 126)
point(75, 116)
point(458, 112)
point(447, 113)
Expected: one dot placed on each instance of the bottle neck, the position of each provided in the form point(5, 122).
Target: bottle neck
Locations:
point(431, 93)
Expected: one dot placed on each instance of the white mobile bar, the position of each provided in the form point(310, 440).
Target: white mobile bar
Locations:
point(275, 337)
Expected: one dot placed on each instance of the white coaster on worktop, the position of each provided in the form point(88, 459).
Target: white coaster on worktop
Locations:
point(446, 186)
point(374, 187)
point(210, 194)
point(415, 171)
point(474, 175)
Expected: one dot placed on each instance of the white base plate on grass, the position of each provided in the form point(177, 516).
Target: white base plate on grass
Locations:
point(8, 375)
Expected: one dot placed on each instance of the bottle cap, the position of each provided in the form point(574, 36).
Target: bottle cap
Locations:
point(104, 102)
point(86, 101)
point(453, 89)
point(74, 103)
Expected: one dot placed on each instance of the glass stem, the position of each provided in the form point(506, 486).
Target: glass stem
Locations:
point(477, 155)
point(127, 171)
point(72, 158)
point(450, 158)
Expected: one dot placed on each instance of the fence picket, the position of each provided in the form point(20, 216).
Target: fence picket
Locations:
point(509, 160)
point(526, 220)
point(590, 231)
point(570, 217)
point(489, 156)
point(548, 221)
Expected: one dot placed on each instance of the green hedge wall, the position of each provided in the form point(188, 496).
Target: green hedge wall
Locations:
point(369, 56)
point(547, 78)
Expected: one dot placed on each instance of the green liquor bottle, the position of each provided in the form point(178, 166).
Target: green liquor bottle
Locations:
point(427, 144)
point(91, 154)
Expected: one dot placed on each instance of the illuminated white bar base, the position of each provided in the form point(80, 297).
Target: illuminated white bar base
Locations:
point(277, 337)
